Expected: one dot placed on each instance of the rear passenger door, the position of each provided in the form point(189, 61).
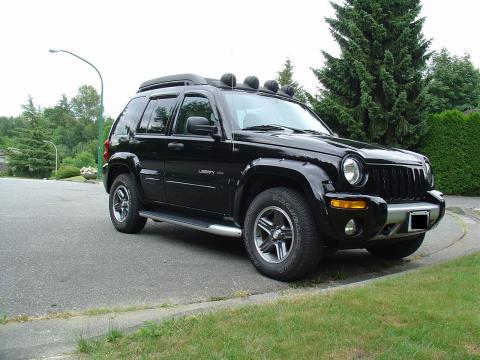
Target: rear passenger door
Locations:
point(152, 145)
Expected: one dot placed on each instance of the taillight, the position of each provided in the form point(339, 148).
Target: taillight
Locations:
point(106, 154)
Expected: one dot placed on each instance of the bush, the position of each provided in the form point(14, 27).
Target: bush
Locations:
point(67, 171)
point(83, 159)
point(453, 146)
point(89, 146)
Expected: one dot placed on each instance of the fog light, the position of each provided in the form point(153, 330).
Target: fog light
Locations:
point(351, 227)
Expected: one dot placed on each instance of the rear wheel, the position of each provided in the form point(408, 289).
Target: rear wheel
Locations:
point(124, 204)
point(280, 234)
point(397, 250)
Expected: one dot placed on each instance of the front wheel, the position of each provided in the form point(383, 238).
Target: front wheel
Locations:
point(397, 250)
point(280, 234)
point(124, 204)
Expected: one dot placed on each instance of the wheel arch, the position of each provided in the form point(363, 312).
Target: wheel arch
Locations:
point(262, 174)
point(121, 163)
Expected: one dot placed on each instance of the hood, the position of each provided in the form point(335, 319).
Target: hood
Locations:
point(331, 145)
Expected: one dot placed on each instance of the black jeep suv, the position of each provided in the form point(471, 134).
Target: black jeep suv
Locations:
point(242, 160)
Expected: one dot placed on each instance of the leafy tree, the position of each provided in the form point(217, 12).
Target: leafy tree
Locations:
point(67, 131)
point(8, 124)
point(86, 103)
point(70, 125)
point(285, 77)
point(84, 158)
point(32, 156)
point(454, 83)
point(88, 146)
point(374, 90)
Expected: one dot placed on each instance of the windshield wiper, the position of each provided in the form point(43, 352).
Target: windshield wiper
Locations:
point(272, 127)
point(315, 132)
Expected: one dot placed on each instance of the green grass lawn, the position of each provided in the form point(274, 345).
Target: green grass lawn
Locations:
point(430, 314)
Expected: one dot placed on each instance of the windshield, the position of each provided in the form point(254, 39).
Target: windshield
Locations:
point(254, 111)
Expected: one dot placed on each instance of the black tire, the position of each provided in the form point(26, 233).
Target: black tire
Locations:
point(305, 247)
point(397, 250)
point(132, 222)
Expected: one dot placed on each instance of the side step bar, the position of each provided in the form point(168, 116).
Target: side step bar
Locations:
point(206, 225)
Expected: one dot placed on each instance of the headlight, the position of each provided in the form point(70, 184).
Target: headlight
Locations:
point(352, 170)
point(428, 174)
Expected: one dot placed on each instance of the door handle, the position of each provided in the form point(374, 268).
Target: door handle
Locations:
point(175, 146)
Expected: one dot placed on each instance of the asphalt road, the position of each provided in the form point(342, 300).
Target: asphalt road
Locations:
point(59, 251)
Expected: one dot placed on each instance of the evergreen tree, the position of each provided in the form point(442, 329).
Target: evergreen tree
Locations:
point(285, 77)
point(374, 90)
point(31, 156)
point(453, 83)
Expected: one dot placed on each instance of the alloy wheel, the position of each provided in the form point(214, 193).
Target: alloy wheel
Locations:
point(274, 236)
point(121, 203)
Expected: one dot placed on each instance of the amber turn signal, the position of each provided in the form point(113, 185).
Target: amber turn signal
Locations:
point(348, 204)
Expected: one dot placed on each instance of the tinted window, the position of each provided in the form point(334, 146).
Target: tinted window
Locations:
point(126, 120)
point(160, 114)
point(142, 127)
point(193, 105)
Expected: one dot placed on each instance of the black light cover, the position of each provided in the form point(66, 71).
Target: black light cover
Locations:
point(229, 79)
point(271, 85)
point(288, 89)
point(252, 81)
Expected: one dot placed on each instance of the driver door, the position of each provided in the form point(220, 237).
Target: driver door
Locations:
point(196, 166)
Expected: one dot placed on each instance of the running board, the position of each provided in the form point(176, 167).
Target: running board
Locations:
point(206, 225)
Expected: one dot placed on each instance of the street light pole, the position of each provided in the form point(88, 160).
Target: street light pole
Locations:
point(56, 154)
point(100, 113)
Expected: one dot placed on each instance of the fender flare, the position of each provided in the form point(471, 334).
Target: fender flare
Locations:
point(128, 160)
point(311, 178)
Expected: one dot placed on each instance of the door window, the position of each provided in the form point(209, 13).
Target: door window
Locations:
point(193, 105)
point(160, 114)
point(142, 127)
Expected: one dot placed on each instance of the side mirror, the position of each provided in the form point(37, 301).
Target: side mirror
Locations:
point(198, 125)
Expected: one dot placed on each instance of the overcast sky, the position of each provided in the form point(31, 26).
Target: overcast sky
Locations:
point(132, 41)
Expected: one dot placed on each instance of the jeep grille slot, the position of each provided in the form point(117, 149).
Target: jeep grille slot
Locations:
point(397, 183)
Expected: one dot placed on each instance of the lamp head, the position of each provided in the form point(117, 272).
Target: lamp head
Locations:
point(53, 50)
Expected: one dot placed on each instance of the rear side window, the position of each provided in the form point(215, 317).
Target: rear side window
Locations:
point(155, 118)
point(126, 121)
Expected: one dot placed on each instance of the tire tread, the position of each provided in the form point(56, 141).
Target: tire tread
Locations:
point(310, 253)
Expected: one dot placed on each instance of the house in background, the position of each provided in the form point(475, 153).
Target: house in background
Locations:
point(3, 161)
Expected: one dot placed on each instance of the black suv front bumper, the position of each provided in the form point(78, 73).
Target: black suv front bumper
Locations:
point(380, 221)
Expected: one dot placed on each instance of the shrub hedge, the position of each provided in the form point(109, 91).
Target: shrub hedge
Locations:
point(82, 159)
point(453, 146)
point(66, 172)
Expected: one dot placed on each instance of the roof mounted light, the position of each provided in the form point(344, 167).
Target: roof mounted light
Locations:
point(252, 81)
point(229, 79)
point(288, 90)
point(271, 85)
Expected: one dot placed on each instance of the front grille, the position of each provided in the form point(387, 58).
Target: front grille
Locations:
point(397, 183)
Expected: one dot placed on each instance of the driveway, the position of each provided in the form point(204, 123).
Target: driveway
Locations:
point(59, 252)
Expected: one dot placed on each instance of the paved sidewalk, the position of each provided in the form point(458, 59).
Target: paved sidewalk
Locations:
point(456, 236)
point(465, 202)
